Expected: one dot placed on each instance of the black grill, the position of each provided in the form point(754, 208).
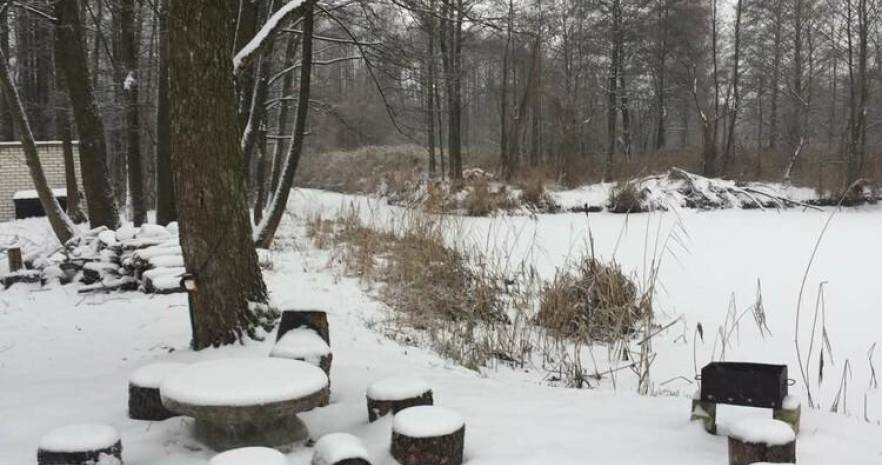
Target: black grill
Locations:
point(747, 384)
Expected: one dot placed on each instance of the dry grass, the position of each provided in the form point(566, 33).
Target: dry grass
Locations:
point(626, 197)
point(594, 301)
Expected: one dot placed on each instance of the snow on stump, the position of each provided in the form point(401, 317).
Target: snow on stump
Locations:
point(304, 344)
point(145, 402)
point(84, 444)
point(340, 449)
point(755, 441)
point(790, 412)
point(249, 456)
point(428, 435)
point(241, 402)
point(393, 395)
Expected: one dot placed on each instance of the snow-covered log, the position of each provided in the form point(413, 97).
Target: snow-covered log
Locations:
point(679, 188)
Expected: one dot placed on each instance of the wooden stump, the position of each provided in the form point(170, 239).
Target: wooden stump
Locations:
point(706, 413)
point(315, 319)
point(80, 445)
point(145, 402)
point(747, 453)
point(393, 395)
point(340, 449)
point(755, 441)
point(15, 261)
point(428, 435)
point(790, 413)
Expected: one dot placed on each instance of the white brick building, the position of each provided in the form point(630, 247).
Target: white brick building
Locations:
point(15, 177)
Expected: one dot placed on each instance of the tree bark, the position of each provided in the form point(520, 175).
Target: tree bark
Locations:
point(7, 124)
point(62, 226)
point(229, 299)
point(93, 149)
point(62, 124)
point(165, 189)
point(282, 123)
point(267, 229)
point(129, 42)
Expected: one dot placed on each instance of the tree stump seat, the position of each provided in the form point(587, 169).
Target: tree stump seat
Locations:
point(428, 435)
point(340, 449)
point(393, 395)
point(82, 444)
point(145, 403)
point(243, 402)
point(304, 344)
point(759, 440)
point(249, 456)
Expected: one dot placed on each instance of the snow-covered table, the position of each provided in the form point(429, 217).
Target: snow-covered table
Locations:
point(241, 402)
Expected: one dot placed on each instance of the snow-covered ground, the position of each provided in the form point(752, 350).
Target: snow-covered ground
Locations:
point(65, 358)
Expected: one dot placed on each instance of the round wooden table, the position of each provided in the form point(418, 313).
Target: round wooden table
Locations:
point(241, 402)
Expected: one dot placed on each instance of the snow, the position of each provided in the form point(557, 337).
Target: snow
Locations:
point(301, 343)
point(32, 194)
point(153, 231)
point(152, 375)
point(336, 447)
point(249, 456)
point(397, 388)
point(66, 357)
point(243, 382)
point(79, 438)
point(791, 403)
point(263, 34)
point(130, 81)
point(763, 431)
point(167, 261)
point(426, 421)
point(107, 237)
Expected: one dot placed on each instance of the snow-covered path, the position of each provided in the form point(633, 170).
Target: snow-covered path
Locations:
point(66, 359)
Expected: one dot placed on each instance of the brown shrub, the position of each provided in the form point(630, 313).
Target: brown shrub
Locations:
point(626, 197)
point(593, 302)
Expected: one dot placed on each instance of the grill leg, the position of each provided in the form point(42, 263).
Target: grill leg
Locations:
point(706, 413)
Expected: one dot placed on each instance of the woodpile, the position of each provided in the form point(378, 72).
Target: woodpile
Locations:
point(148, 259)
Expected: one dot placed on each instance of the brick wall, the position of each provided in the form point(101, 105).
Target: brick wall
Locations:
point(14, 174)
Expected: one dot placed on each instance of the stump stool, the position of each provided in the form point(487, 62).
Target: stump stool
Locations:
point(428, 435)
point(249, 456)
point(392, 395)
point(757, 440)
point(84, 444)
point(304, 344)
point(340, 449)
point(314, 319)
point(144, 400)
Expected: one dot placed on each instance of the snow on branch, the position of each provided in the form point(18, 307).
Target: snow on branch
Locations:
point(263, 35)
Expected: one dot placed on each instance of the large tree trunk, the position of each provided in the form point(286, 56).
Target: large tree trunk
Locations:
point(62, 125)
point(62, 226)
point(129, 42)
point(266, 230)
point(165, 189)
point(229, 300)
point(93, 149)
point(736, 96)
